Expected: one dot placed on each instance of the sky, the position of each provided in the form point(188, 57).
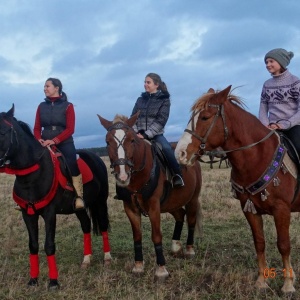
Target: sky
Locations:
point(102, 51)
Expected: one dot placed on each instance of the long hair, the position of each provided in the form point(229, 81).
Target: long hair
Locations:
point(157, 80)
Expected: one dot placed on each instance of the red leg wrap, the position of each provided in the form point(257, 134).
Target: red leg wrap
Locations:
point(53, 273)
point(87, 244)
point(106, 246)
point(34, 265)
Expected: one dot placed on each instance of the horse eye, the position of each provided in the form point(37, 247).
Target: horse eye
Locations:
point(204, 118)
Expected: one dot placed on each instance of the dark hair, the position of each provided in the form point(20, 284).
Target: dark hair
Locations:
point(157, 80)
point(57, 83)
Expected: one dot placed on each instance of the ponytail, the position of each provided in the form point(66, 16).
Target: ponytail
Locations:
point(157, 80)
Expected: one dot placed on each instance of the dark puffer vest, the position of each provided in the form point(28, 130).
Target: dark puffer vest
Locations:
point(53, 118)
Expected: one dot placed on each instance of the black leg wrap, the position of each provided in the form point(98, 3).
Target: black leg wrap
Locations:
point(160, 259)
point(190, 239)
point(138, 251)
point(177, 230)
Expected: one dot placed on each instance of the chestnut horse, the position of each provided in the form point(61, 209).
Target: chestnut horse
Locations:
point(39, 192)
point(138, 171)
point(263, 177)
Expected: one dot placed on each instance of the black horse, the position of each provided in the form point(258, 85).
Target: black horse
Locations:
point(42, 188)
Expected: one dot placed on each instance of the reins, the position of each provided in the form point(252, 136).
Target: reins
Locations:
point(214, 152)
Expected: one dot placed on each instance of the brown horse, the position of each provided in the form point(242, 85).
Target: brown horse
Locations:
point(138, 170)
point(262, 176)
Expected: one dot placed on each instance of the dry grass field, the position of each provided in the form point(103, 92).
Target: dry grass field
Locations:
point(224, 266)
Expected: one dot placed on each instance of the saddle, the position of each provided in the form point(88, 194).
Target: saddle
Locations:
point(291, 150)
point(160, 163)
point(62, 177)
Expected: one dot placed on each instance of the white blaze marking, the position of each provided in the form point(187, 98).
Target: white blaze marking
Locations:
point(119, 135)
point(184, 141)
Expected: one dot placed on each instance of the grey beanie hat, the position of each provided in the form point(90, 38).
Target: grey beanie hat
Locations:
point(282, 56)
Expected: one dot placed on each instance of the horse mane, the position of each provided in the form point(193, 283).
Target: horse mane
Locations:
point(25, 127)
point(202, 102)
point(119, 118)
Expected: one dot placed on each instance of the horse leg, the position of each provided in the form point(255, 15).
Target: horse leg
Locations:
point(161, 273)
point(85, 223)
point(106, 248)
point(33, 230)
point(194, 221)
point(135, 221)
point(256, 223)
point(50, 226)
point(178, 215)
point(282, 222)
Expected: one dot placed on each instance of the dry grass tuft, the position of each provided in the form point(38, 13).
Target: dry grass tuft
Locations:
point(224, 266)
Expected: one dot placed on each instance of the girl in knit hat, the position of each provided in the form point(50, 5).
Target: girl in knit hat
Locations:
point(280, 96)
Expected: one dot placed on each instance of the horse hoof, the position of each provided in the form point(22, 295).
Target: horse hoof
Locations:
point(176, 249)
point(161, 274)
point(33, 282)
point(190, 252)
point(107, 259)
point(107, 262)
point(85, 265)
point(53, 285)
point(138, 268)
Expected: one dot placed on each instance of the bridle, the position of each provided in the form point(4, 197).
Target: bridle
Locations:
point(203, 140)
point(124, 161)
point(3, 159)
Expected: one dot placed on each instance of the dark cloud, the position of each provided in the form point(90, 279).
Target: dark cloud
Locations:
point(102, 51)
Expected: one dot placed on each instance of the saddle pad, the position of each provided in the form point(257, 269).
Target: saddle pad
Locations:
point(289, 164)
point(85, 170)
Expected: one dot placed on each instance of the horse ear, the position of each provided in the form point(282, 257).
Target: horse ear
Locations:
point(223, 95)
point(11, 112)
point(130, 122)
point(105, 123)
point(211, 90)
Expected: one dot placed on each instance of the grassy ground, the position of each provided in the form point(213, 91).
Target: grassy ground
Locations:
point(224, 266)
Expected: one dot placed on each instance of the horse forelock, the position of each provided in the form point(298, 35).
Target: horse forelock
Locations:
point(202, 102)
point(120, 118)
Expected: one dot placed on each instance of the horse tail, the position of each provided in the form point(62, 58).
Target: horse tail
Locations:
point(199, 217)
point(98, 209)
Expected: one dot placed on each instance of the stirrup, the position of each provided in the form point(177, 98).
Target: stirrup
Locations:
point(177, 181)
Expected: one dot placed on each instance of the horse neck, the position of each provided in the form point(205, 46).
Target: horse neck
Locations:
point(27, 153)
point(143, 163)
point(246, 130)
point(26, 185)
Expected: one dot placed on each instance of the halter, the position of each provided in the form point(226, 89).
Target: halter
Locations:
point(124, 161)
point(13, 133)
point(220, 111)
point(202, 146)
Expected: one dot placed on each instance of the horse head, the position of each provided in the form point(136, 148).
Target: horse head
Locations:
point(122, 146)
point(206, 129)
point(7, 135)
point(18, 147)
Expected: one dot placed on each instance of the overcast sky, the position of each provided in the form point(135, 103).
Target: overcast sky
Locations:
point(102, 50)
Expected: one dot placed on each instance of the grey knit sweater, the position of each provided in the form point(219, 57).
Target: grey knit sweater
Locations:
point(280, 101)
